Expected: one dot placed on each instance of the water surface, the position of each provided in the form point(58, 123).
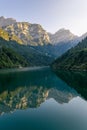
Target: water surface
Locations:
point(39, 99)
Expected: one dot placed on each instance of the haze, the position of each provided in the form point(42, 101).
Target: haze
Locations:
point(51, 14)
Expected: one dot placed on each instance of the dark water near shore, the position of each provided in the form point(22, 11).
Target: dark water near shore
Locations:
point(39, 99)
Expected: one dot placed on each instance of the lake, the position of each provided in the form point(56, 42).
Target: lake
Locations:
point(39, 99)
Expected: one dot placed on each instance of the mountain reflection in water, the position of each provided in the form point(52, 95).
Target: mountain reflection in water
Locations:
point(76, 80)
point(28, 89)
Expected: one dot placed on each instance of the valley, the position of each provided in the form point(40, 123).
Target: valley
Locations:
point(26, 44)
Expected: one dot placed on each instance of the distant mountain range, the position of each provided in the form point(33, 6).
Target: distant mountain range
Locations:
point(34, 43)
point(62, 35)
point(63, 40)
point(74, 59)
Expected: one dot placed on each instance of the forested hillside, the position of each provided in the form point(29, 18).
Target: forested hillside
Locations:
point(75, 58)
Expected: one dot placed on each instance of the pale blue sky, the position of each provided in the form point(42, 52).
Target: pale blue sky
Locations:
point(51, 14)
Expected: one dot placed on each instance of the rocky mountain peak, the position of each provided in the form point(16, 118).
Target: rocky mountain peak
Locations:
point(6, 21)
point(62, 35)
point(31, 34)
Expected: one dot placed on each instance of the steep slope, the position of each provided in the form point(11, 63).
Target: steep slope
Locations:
point(30, 34)
point(56, 50)
point(62, 41)
point(4, 34)
point(6, 21)
point(25, 33)
point(75, 58)
point(62, 35)
point(9, 37)
point(83, 36)
point(34, 35)
point(9, 58)
point(31, 55)
point(52, 45)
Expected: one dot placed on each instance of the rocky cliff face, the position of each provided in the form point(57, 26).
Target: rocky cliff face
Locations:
point(6, 21)
point(30, 34)
point(25, 33)
point(9, 37)
point(62, 35)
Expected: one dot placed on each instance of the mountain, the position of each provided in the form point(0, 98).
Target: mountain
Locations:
point(34, 35)
point(8, 37)
point(32, 56)
point(10, 59)
point(62, 41)
point(35, 39)
point(30, 34)
point(83, 36)
point(75, 58)
point(6, 21)
point(62, 35)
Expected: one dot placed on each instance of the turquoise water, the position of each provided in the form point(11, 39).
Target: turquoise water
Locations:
point(39, 99)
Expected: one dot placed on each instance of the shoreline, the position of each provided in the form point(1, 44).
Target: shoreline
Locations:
point(10, 70)
point(72, 70)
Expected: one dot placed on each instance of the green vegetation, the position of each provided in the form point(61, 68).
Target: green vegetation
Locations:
point(21, 55)
point(74, 59)
point(9, 58)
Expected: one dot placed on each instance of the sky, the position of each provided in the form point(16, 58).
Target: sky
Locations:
point(51, 14)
